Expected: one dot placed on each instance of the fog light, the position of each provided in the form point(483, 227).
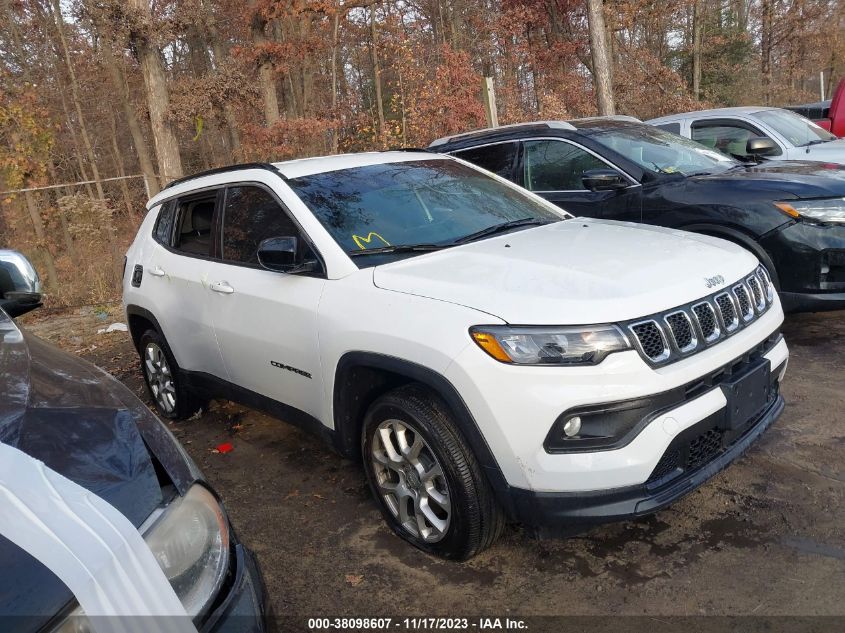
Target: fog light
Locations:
point(572, 426)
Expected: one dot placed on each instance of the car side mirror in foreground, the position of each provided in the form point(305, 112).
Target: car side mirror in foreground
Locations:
point(20, 286)
point(279, 254)
point(603, 180)
point(761, 146)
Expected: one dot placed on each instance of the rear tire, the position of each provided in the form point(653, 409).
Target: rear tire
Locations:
point(165, 382)
point(425, 478)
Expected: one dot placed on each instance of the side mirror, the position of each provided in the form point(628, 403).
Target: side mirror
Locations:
point(279, 254)
point(20, 286)
point(603, 180)
point(761, 146)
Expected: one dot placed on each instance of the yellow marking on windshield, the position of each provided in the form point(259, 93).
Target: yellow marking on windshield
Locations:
point(360, 241)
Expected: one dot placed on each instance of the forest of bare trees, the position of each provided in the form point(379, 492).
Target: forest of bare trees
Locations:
point(124, 96)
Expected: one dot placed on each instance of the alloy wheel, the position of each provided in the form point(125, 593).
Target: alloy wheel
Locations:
point(411, 480)
point(160, 377)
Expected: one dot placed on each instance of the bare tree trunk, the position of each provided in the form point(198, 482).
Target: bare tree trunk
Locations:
point(266, 79)
point(602, 78)
point(74, 91)
point(697, 30)
point(38, 225)
point(118, 164)
point(158, 100)
point(377, 73)
point(335, 26)
point(766, 26)
point(219, 52)
point(114, 66)
point(64, 191)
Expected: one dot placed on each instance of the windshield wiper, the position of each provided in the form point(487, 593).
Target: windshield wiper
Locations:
point(499, 228)
point(401, 248)
point(816, 142)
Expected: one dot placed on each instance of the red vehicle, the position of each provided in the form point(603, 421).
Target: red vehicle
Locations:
point(829, 114)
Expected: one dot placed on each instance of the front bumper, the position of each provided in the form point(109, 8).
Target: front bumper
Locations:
point(244, 608)
point(556, 513)
point(810, 263)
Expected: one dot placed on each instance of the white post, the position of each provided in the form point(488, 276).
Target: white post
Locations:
point(821, 84)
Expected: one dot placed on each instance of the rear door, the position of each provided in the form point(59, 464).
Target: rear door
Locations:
point(554, 168)
point(265, 321)
point(176, 278)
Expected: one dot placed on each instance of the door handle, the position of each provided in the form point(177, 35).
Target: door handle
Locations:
point(155, 271)
point(222, 287)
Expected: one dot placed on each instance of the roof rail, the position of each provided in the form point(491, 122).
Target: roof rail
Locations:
point(552, 125)
point(221, 170)
point(609, 117)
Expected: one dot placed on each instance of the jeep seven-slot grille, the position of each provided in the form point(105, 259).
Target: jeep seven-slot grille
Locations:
point(682, 331)
point(666, 337)
point(650, 339)
point(727, 311)
point(745, 308)
point(705, 315)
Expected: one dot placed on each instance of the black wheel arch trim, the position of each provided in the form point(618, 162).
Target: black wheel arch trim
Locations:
point(348, 425)
point(138, 311)
point(740, 238)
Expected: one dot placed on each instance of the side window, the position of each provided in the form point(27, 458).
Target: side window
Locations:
point(497, 158)
point(163, 231)
point(557, 166)
point(251, 215)
point(674, 128)
point(196, 219)
point(724, 137)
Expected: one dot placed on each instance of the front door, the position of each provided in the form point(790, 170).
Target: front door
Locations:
point(554, 168)
point(265, 321)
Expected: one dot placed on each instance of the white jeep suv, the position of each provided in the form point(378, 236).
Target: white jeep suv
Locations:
point(488, 357)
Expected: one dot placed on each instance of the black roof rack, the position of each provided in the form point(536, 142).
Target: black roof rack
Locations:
point(221, 170)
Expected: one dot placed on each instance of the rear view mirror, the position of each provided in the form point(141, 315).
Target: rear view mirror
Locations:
point(603, 180)
point(20, 286)
point(761, 146)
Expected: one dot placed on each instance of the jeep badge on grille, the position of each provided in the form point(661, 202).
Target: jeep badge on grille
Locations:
point(711, 282)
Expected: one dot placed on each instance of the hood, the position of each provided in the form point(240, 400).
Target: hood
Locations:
point(85, 425)
point(833, 151)
point(789, 178)
point(575, 272)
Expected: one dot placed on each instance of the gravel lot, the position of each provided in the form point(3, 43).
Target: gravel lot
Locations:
point(764, 537)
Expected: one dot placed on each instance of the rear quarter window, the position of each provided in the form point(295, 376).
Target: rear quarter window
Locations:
point(163, 230)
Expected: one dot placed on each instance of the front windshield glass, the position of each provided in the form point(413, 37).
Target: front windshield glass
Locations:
point(663, 152)
point(794, 128)
point(421, 202)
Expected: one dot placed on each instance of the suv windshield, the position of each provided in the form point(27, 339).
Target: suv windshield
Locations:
point(794, 128)
point(413, 206)
point(663, 152)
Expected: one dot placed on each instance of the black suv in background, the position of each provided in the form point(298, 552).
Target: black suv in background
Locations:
point(790, 214)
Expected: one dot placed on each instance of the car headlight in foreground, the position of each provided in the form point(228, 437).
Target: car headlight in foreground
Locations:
point(532, 345)
point(190, 541)
point(827, 210)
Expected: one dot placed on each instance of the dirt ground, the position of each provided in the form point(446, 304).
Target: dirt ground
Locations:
point(765, 537)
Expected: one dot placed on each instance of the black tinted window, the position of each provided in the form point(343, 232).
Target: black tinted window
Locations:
point(496, 158)
point(557, 166)
point(164, 225)
point(252, 215)
point(674, 128)
point(196, 219)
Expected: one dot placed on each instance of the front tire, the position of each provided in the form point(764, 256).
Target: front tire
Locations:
point(425, 478)
point(165, 383)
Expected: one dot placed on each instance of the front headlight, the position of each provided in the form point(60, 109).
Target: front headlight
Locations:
point(829, 210)
point(530, 345)
point(190, 541)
